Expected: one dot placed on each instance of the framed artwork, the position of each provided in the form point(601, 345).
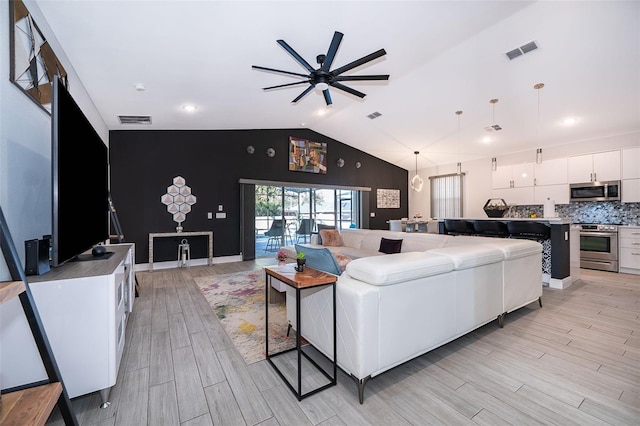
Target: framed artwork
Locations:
point(33, 64)
point(307, 156)
point(388, 198)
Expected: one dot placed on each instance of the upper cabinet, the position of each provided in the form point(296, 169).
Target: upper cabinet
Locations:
point(599, 167)
point(515, 176)
point(631, 163)
point(551, 172)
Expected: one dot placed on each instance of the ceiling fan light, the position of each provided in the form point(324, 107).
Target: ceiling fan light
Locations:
point(322, 86)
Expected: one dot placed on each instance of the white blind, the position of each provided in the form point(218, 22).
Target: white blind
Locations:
point(446, 195)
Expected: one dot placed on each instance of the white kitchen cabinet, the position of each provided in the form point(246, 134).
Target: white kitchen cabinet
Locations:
point(598, 167)
point(558, 193)
point(84, 306)
point(629, 250)
point(631, 163)
point(631, 190)
point(518, 196)
point(552, 172)
point(513, 176)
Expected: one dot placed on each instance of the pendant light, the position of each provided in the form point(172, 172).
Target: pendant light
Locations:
point(416, 181)
point(459, 165)
point(539, 150)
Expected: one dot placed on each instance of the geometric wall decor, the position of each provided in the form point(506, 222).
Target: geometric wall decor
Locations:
point(178, 200)
point(33, 64)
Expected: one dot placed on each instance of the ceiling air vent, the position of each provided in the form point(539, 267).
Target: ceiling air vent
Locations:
point(134, 119)
point(374, 115)
point(519, 51)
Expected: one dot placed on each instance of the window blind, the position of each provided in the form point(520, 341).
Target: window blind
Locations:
point(446, 195)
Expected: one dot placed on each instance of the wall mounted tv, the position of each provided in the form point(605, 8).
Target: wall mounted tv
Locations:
point(80, 180)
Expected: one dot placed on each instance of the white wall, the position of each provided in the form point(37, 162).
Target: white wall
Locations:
point(25, 145)
point(477, 184)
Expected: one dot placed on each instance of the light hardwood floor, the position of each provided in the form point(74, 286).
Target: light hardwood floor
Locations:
point(575, 361)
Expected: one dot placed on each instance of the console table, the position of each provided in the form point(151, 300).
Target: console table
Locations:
point(309, 278)
point(208, 234)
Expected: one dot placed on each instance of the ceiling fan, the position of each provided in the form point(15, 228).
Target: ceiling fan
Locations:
point(323, 78)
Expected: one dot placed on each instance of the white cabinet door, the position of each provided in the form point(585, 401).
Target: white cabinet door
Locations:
point(551, 172)
point(558, 193)
point(517, 196)
point(606, 166)
point(631, 191)
point(631, 163)
point(501, 178)
point(522, 175)
point(580, 168)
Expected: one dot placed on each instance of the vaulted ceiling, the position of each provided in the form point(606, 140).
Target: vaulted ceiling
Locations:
point(442, 56)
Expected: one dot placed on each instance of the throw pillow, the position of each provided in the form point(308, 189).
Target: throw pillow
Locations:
point(320, 228)
point(389, 246)
point(342, 260)
point(331, 237)
point(320, 258)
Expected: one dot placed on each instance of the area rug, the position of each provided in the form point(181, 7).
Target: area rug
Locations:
point(238, 300)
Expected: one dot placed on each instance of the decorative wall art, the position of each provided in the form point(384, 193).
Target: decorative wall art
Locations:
point(33, 64)
point(388, 198)
point(178, 200)
point(307, 156)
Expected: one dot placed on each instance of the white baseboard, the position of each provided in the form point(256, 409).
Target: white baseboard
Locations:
point(560, 283)
point(194, 262)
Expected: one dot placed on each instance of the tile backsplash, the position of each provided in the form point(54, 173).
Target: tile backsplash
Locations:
point(604, 212)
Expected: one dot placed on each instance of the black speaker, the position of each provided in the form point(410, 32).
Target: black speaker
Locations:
point(36, 257)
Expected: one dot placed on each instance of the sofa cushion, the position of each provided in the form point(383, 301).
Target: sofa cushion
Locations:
point(470, 256)
point(320, 258)
point(331, 237)
point(390, 246)
point(342, 260)
point(403, 267)
point(320, 228)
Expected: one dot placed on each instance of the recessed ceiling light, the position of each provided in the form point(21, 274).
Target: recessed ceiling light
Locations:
point(486, 139)
point(189, 108)
point(140, 87)
point(322, 112)
point(569, 121)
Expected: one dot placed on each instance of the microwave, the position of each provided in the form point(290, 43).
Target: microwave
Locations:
point(595, 191)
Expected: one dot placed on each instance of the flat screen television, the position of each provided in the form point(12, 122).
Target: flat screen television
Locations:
point(80, 177)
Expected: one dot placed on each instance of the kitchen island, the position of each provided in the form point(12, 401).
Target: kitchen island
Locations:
point(561, 249)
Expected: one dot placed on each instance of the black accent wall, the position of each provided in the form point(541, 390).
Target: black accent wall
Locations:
point(143, 164)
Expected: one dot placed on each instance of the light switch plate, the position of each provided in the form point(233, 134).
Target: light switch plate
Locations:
point(209, 215)
point(221, 215)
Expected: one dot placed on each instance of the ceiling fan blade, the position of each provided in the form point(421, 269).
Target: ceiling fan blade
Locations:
point(361, 77)
point(286, 85)
point(301, 95)
point(331, 53)
point(359, 62)
point(348, 89)
point(327, 96)
point(295, 55)
point(280, 71)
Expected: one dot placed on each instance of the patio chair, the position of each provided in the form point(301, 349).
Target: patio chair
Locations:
point(305, 228)
point(275, 234)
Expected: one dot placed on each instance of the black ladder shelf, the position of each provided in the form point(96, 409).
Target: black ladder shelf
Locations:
point(30, 404)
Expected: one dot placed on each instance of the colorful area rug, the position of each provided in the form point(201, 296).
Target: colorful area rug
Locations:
point(238, 300)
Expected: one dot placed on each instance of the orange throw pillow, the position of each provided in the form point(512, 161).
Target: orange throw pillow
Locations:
point(342, 260)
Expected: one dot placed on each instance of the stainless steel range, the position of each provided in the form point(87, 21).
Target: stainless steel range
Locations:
point(599, 247)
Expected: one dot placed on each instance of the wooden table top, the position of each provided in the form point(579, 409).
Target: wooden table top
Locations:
point(308, 278)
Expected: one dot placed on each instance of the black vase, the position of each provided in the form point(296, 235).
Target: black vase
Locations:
point(301, 263)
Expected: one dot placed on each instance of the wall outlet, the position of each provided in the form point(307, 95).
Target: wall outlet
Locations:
point(220, 207)
point(221, 215)
point(372, 214)
point(209, 215)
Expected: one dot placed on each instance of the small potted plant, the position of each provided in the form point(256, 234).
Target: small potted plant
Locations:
point(301, 260)
point(495, 207)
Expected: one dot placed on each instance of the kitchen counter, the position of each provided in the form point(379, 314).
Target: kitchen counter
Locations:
point(549, 220)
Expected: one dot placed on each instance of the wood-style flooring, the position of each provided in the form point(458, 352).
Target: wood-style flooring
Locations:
point(575, 361)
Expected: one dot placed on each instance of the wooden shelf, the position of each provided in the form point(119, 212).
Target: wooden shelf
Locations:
point(10, 289)
point(31, 406)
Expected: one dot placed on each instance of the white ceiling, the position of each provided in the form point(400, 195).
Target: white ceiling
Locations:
point(442, 56)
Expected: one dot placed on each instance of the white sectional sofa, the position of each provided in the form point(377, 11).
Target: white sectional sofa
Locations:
point(392, 308)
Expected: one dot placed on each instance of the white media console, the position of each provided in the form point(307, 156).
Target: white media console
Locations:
point(84, 306)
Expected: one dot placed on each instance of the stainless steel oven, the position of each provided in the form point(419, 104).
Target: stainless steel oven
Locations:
point(599, 247)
